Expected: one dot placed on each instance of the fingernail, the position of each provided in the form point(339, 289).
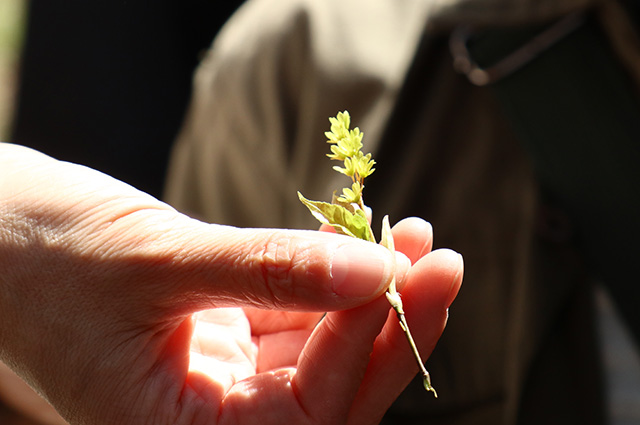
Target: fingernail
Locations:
point(453, 291)
point(361, 271)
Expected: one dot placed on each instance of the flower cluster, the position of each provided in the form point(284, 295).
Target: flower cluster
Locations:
point(346, 146)
point(346, 213)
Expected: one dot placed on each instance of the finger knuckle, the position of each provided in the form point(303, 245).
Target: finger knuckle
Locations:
point(278, 259)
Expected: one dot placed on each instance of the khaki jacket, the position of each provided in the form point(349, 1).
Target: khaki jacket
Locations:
point(519, 347)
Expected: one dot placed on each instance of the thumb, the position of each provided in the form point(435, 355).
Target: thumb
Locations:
point(114, 243)
point(206, 265)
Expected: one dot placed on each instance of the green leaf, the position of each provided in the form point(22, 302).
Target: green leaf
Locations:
point(341, 219)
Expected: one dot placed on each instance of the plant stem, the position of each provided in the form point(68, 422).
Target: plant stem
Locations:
point(396, 302)
point(426, 378)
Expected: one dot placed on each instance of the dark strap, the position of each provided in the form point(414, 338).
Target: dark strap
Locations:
point(578, 114)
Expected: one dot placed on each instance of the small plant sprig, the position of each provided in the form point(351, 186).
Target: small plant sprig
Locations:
point(346, 213)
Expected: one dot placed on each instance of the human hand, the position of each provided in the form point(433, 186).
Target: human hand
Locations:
point(99, 284)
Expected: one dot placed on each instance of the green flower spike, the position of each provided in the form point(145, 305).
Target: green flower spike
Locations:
point(346, 213)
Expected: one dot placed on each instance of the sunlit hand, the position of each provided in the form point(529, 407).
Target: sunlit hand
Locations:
point(99, 284)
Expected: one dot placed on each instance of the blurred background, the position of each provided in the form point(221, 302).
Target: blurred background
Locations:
point(12, 16)
point(106, 83)
point(619, 351)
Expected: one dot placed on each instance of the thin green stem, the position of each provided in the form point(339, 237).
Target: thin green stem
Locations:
point(426, 378)
point(396, 302)
point(346, 147)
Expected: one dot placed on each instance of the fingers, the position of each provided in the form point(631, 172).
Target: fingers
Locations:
point(413, 237)
point(432, 285)
point(333, 362)
point(269, 321)
point(333, 366)
point(281, 349)
point(221, 346)
point(280, 336)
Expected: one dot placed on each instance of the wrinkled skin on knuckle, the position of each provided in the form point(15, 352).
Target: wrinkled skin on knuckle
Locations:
point(276, 263)
point(289, 273)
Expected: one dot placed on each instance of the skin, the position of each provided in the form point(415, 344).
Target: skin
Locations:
point(119, 309)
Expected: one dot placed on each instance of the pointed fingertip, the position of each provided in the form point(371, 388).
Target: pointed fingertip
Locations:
point(456, 282)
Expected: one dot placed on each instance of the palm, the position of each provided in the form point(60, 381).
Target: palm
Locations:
point(233, 344)
point(262, 366)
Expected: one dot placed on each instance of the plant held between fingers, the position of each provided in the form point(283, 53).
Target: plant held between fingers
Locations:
point(346, 213)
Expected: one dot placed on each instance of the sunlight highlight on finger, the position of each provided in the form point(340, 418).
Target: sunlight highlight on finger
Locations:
point(334, 361)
